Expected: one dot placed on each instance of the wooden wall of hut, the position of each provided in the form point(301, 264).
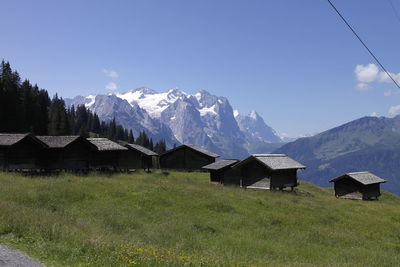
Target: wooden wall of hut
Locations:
point(105, 159)
point(75, 156)
point(232, 176)
point(216, 176)
point(284, 178)
point(3, 157)
point(132, 159)
point(253, 172)
point(185, 158)
point(346, 186)
point(22, 155)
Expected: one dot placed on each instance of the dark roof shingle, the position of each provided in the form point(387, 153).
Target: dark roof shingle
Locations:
point(365, 178)
point(8, 139)
point(275, 161)
point(58, 141)
point(141, 149)
point(195, 148)
point(220, 164)
point(104, 144)
point(11, 139)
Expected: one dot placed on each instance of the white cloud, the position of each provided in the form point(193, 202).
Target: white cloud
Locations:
point(374, 114)
point(366, 74)
point(394, 110)
point(110, 73)
point(383, 77)
point(111, 86)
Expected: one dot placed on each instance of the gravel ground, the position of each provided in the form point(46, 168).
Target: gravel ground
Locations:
point(15, 258)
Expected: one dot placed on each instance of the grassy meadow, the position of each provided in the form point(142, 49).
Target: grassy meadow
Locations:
point(180, 219)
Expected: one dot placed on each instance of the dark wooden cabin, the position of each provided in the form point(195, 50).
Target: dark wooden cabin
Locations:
point(220, 169)
point(69, 153)
point(357, 185)
point(107, 155)
point(139, 157)
point(268, 171)
point(20, 151)
point(186, 157)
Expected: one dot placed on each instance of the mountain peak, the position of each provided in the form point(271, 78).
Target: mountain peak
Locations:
point(144, 90)
point(255, 128)
point(253, 114)
point(204, 92)
point(202, 118)
point(175, 92)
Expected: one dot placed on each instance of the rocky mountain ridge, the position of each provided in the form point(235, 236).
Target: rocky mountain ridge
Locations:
point(201, 119)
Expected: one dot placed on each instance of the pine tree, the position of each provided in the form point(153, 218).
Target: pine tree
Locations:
point(126, 135)
point(96, 127)
point(12, 99)
point(42, 115)
point(112, 129)
point(160, 147)
point(119, 133)
point(131, 139)
point(24, 108)
point(71, 118)
point(58, 119)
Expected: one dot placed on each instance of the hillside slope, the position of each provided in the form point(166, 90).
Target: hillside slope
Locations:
point(181, 219)
point(368, 143)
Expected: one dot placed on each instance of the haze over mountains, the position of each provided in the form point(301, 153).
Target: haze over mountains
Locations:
point(201, 119)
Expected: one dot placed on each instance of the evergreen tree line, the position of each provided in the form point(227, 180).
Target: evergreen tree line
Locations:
point(26, 108)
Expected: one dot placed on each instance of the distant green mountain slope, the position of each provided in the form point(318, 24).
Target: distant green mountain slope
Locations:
point(368, 143)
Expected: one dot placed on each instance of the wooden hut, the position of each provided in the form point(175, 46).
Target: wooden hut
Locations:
point(357, 185)
point(70, 153)
point(20, 152)
point(139, 157)
point(268, 171)
point(186, 157)
point(107, 155)
point(219, 169)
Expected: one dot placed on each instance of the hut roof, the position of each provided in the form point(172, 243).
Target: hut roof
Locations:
point(58, 141)
point(7, 139)
point(104, 144)
point(195, 148)
point(365, 178)
point(220, 164)
point(275, 161)
point(141, 149)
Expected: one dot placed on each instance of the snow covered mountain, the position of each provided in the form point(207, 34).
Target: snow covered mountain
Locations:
point(130, 115)
point(255, 129)
point(201, 119)
point(154, 103)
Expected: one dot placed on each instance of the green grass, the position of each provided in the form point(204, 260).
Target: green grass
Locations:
point(182, 220)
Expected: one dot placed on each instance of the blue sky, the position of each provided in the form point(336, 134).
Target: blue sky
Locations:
point(293, 61)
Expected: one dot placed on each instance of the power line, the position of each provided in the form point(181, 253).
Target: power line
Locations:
point(362, 42)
